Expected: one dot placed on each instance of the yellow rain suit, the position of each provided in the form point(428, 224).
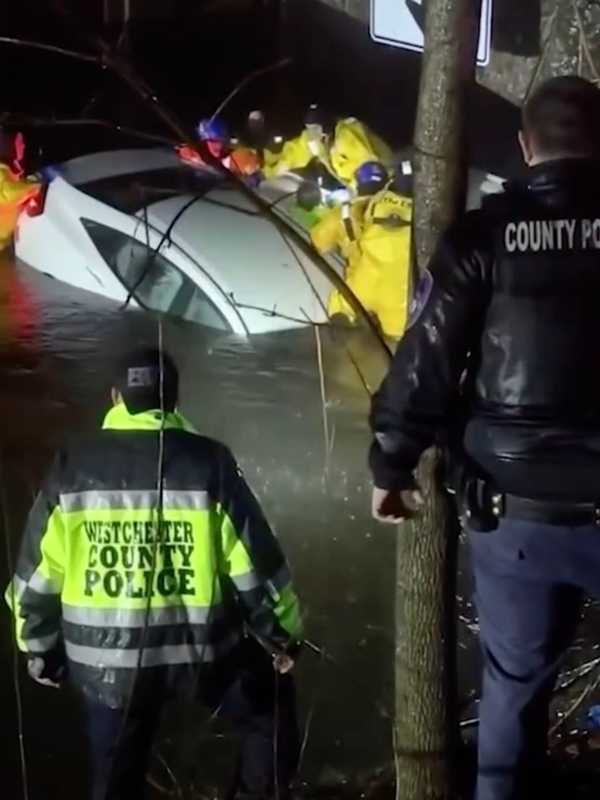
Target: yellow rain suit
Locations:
point(341, 228)
point(353, 145)
point(295, 154)
point(14, 192)
point(378, 261)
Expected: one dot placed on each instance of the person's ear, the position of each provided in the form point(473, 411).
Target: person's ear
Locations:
point(116, 396)
point(526, 148)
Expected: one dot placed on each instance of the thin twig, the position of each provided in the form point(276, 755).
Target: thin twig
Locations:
point(284, 62)
point(323, 399)
point(276, 736)
point(591, 687)
point(332, 440)
point(545, 44)
point(171, 774)
point(15, 649)
point(158, 786)
point(50, 48)
point(42, 122)
point(396, 759)
point(577, 674)
point(272, 312)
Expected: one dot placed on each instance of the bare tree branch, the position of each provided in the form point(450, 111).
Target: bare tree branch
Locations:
point(41, 122)
point(273, 313)
point(50, 48)
point(284, 62)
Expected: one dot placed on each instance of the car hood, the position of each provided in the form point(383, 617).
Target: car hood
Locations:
point(226, 235)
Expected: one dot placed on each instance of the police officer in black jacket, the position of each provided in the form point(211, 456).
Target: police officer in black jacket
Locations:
point(506, 326)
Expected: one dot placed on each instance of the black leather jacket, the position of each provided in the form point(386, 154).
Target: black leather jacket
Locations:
point(505, 343)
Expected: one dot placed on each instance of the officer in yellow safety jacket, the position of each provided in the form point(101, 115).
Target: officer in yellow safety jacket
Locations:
point(375, 240)
point(147, 558)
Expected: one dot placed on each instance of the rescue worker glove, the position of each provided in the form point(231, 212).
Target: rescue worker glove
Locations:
point(283, 663)
point(393, 506)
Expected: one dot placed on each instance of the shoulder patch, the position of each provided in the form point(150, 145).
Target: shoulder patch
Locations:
point(420, 297)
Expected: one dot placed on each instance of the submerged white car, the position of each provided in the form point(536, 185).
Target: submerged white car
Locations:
point(143, 226)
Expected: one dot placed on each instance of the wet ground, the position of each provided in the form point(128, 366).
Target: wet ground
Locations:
point(263, 397)
point(264, 400)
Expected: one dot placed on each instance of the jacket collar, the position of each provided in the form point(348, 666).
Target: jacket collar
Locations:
point(560, 176)
point(119, 419)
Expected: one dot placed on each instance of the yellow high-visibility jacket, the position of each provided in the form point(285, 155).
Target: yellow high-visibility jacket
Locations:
point(97, 561)
point(13, 193)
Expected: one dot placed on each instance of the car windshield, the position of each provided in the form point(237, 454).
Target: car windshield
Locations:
point(154, 281)
point(133, 191)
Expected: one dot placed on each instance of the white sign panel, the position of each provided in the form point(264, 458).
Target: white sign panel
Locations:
point(401, 22)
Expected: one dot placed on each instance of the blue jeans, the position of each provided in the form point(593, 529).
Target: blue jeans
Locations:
point(529, 583)
point(243, 690)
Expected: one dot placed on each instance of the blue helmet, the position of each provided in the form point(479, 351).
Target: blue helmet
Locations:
point(214, 130)
point(371, 177)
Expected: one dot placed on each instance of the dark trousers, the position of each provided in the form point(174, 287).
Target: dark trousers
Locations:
point(245, 691)
point(529, 579)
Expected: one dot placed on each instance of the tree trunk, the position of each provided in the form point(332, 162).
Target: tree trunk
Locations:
point(426, 724)
point(569, 43)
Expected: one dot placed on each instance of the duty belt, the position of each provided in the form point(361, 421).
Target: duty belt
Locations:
point(482, 507)
point(549, 511)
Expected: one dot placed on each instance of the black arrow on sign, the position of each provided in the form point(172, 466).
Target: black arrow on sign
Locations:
point(417, 10)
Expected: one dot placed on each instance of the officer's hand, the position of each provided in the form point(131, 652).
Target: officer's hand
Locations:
point(392, 506)
point(283, 663)
point(36, 668)
point(47, 682)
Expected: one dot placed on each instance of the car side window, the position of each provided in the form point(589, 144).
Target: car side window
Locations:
point(155, 282)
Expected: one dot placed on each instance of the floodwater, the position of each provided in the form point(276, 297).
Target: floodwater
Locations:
point(263, 397)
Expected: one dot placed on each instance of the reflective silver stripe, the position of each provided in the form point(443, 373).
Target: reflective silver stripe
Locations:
point(37, 582)
point(136, 617)
point(42, 585)
point(41, 644)
point(152, 656)
point(133, 501)
point(19, 585)
point(280, 580)
point(246, 582)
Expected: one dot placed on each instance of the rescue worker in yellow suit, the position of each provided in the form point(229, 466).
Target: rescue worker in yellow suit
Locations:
point(353, 145)
point(15, 189)
point(280, 156)
point(373, 233)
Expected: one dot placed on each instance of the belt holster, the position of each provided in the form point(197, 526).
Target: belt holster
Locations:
point(481, 505)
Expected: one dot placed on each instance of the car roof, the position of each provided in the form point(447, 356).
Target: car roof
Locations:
point(246, 255)
point(113, 163)
point(224, 232)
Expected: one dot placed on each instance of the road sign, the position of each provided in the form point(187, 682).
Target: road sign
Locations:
point(400, 23)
